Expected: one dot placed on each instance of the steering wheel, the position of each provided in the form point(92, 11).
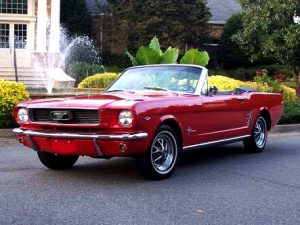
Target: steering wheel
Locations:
point(186, 88)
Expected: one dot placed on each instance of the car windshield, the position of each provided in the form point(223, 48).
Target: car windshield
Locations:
point(158, 78)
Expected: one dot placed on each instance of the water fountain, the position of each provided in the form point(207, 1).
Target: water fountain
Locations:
point(51, 65)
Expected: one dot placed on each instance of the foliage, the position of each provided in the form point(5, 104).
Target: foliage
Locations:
point(270, 32)
point(267, 83)
point(75, 17)
point(183, 23)
point(224, 83)
point(250, 72)
point(100, 80)
point(113, 60)
point(153, 54)
point(113, 69)
point(230, 53)
point(193, 56)
point(291, 113)
point(81, 70)
point(11, 93)
point(289, 94)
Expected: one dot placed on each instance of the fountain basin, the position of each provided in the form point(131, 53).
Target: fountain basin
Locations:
point(42, 93)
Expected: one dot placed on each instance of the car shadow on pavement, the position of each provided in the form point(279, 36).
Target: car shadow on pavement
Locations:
point(210, 155)
point(125, 170)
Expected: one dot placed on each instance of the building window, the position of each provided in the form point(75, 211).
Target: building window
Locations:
point(20, 35)
point(14, 6)
point(4, 35)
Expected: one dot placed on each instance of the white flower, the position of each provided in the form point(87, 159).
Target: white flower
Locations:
point(296, 18)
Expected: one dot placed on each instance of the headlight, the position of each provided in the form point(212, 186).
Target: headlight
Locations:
point(125, 118)
point(23, 115)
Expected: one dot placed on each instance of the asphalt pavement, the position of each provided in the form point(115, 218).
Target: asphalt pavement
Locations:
point(220, 185)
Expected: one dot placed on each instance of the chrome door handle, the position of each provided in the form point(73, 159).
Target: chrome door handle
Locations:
point(242, 99)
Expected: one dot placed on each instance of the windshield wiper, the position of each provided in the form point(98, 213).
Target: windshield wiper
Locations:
point(156, 88)
point(118, 90)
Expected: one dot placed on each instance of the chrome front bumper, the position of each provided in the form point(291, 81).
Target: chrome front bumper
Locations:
point(120, 137)
point(93, 137)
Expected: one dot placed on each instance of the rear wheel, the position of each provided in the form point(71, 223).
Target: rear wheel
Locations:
point(56, 161)
point(257, 141)
point(160, 160)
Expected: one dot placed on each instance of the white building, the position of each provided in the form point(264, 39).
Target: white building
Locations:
point(26, 28)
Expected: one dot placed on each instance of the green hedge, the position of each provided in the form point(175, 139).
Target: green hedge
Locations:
point(291, 113)
point(101, 80)
point(81, 70)
point(246, 74)
point(114, 60)
point(11, 93)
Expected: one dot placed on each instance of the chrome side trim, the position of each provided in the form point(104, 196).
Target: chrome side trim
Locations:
point(212, 143)
point(121, 137)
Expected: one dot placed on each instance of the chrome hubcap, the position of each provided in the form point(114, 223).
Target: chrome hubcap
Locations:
point(260, 133)
point(163, 152)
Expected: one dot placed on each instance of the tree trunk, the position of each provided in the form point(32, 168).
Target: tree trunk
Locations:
point(296, 74)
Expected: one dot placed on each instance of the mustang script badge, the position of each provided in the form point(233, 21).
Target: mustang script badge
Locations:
point(61, 115)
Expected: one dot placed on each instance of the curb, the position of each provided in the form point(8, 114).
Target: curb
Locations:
point(277, 130)
point(6, 133)
point(280, 129)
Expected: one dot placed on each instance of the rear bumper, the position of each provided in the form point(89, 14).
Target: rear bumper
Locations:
point(73, 143)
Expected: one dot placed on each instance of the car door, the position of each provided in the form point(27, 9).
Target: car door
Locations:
point(223, 116)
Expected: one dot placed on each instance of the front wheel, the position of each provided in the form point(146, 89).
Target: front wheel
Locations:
point(160, 159)
point(257, 142)
point(56, 161)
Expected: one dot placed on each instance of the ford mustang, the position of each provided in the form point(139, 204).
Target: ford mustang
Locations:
point(152, 113)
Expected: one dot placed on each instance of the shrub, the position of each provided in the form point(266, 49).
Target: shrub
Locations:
point(249, 73)
point(11, 93)
point(224, 83)
point(101, 80)
point(291, 113)
point(113, 69)
point(264, 80)
point(289, 94)
point(81, 70)
point(114, 60)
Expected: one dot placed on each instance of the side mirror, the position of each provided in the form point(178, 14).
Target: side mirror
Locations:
point(213, 90)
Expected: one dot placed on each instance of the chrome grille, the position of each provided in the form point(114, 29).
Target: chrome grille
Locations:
point(79, 116)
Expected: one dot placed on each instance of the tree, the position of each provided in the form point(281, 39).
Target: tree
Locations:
point(229, 52)
point(269, 31)
point(182, 22)
point(75, 17)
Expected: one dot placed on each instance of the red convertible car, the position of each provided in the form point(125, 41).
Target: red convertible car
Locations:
point(152, 113)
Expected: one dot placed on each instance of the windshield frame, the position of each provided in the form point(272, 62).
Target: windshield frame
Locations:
point(198, 89)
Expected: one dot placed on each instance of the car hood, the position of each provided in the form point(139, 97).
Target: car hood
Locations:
point(125, 99)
